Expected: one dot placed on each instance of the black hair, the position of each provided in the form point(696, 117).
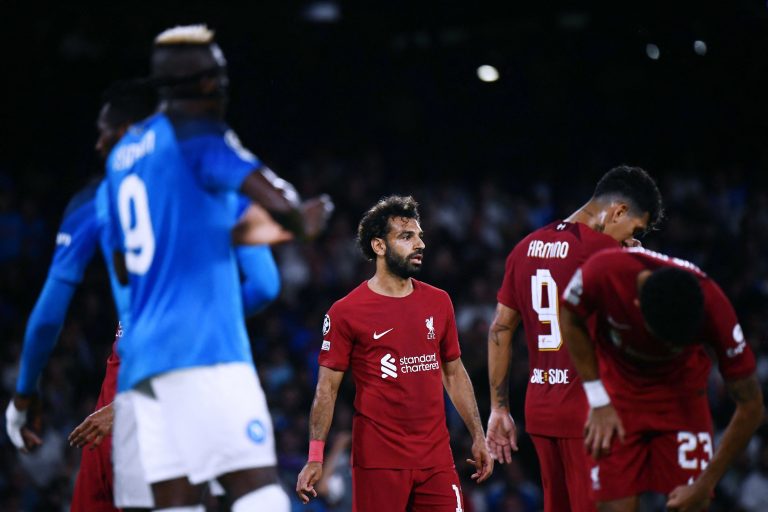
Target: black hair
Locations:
point(375, 222)
point(635, 186)
point(177, 70)
point(672, 304)
point(129, 101)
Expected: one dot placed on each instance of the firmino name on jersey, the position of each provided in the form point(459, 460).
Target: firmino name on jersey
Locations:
point(539, 249)
point(422, 363)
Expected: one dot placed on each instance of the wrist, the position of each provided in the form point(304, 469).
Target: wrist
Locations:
point(597, 396)
point(316, 448)
point(502, 409)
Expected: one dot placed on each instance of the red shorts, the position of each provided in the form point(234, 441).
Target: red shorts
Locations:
point(651, 461)
point(564, 474)
point(93, 486)
point(398, 490)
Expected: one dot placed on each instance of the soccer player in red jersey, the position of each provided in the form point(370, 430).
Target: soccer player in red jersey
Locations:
point(398, 337)
point(625, 203)
point(645, 360)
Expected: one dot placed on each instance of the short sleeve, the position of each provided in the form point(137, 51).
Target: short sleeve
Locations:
point(76, 241)
point(724, 333)
point(449, 344)
point(336, 350)
point(580, 296)
point(506, 295)
point(224, 163)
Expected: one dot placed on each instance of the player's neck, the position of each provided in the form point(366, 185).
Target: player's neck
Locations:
point(390, 285)
point(592, 214)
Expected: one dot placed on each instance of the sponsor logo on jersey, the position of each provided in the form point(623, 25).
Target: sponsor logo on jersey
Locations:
point(388, 368)
point(551, 376)
point(63, 239)
point(408, 364)
point(377, 335)
point(126, 155)
point(256, 431)
point(430, 323)
point(326, 324)
point(741, 344)
point(539, 249)
point(326, 345)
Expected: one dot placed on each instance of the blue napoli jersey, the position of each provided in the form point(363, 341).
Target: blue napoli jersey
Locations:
point(83, 229)
point(171, 188)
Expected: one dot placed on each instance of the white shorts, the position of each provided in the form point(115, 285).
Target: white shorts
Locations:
point(201, 423)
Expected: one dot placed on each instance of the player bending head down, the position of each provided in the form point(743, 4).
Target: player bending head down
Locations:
point(672, 304)
point(626, 204)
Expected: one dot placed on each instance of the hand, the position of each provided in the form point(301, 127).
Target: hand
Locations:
point(482, 460)
point(94, 428)
point(315, 213)
point(257, 227)
point(501, 435)
point(22, 436)
point(305, 484)
point(602, 423)
point(689, 498)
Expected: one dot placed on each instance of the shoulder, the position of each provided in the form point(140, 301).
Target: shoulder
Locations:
point(188, 127)
point(84, 198)
point(350, 301)
point(432, 291)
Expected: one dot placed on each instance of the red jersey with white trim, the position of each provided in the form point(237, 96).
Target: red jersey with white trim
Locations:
point(659, 386)
point(396, 348)
point(537, 271)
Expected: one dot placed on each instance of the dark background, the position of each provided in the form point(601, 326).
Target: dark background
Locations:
point(385, 99)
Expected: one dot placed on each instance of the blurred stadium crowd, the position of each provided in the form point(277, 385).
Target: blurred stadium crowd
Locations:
point(718, 222)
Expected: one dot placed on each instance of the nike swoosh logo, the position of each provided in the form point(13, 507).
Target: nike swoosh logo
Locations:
point(377, 336)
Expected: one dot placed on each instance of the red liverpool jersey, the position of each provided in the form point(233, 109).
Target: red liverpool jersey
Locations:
point(538, 270)
point(657, 386)
point(396, 348)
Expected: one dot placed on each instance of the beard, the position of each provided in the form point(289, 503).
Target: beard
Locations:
point(402, 266)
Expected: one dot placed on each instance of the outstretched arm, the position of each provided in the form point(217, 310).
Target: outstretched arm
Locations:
point(502, 432)
point(746, 419)
point(603, 421)
point(320, 418)
point(462, 394)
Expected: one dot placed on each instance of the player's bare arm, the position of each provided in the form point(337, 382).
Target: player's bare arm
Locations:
point(746, 419)
point(275, 194)
point(462, 394)
point(257, 227)
point(502, 432)
point(320, 418)
point(94, 428)
point(603, 421)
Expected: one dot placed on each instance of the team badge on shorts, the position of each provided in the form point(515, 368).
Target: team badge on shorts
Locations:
point(256, 431)
point(326, 325)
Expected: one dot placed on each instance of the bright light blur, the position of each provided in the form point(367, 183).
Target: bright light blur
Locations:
point(700, 47)
point(487, 73)
point(652, 51)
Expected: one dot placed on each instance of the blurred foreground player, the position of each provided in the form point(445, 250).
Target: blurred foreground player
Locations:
point(171, 181)
point(398, 337)
point(626, 202)
point(645, 372)
point(80, 234)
